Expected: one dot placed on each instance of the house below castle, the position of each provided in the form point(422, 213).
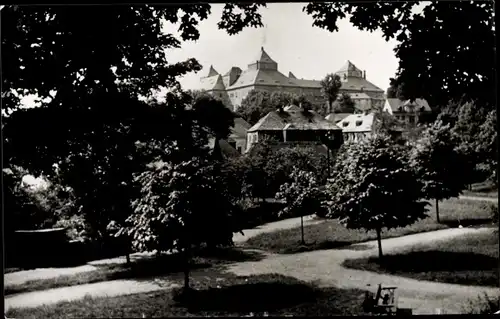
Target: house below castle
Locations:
point(262, 74)
point(293, 125)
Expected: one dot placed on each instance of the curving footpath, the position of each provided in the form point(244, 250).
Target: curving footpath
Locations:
point(324, 268)
point(321, 267)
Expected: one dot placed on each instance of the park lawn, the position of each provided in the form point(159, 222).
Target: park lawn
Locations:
point(214, 295)
point(331, 234)
point(468, 260)
point(163, 265)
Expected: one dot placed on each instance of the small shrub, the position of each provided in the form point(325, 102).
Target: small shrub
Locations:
point(494, 213)
point(484, 304)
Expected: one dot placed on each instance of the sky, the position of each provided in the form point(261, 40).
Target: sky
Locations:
point(291, 40)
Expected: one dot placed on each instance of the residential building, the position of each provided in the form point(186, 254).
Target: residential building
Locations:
point(407, 111)
point(238, 137)
point(295, 125)
point(358, 127)
point(262, 74)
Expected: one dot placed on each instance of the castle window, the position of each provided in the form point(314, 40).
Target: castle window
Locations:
point(345, 124)
point(358, 123)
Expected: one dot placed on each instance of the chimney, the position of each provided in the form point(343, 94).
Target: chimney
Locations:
point(364, 74)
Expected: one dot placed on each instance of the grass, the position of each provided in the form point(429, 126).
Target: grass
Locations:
point(274, 295)
point(486, 189)
point(468, 260)
point(140, 269)
point(331, 234)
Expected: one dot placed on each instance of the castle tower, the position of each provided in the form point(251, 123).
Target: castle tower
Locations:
point(263, 62)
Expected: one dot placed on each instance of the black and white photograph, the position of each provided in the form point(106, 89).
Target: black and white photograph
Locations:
point(249, 159)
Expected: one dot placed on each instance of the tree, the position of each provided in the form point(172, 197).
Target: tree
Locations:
point(330, 86)
point(439, 164)
point(255, 105)
point(345, 104)
point(395, 90)
point(171, 214)
point(302, 196)
point(282, 99)
point(438, 70)
point(487, 146)
point(373, 187)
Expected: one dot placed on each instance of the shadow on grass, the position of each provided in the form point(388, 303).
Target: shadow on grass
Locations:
point(237, 296)
point(449, 267)
point(253, 296)
point(141, 269)
point(467, 222)
point(324, 245)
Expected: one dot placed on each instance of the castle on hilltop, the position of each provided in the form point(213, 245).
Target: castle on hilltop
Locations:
point(262, 74)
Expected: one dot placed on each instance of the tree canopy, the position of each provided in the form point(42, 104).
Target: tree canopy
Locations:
point(373, 187)
point(330, 87)
point(445, 52)
point(345, 104)
point(439, 164)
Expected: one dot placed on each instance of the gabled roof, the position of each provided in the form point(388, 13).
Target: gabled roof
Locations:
point(291, 75)
point(405, 105)
point(240, 128)
point(212, 83)
point(293, 118)
point(212, 72)
point(355, 83)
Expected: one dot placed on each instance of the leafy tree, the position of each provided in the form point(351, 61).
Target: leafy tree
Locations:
point(282, 99)
point(92, 74)
point(395, 90)
point(302, 196)
point(330, 86)
point(171, 213)
point(373, 187)
point(345, 104)
point(439, 164)
point(255, 105)
point(487, 145)
point(439, 70)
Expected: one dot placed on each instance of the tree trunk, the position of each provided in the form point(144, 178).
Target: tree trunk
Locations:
point(328, 159)
point(437, 210)
point(186, 269)
point(302, 229)
point(379, 240)
point(127, 253)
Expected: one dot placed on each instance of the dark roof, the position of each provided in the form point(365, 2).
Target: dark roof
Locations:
point(240, 128)
point(293, 117)
point(212, 72)
point(336, 117)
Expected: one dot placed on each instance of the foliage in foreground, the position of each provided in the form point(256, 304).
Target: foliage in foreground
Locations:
point(373, 188)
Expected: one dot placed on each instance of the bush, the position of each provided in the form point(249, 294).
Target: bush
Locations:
point(494, 213)
point(483, 305)
point(262, 212)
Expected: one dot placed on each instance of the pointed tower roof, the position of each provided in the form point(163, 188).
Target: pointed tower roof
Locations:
point(212, 72)
point(348, 67)
point(263, 57)
point(291, 75)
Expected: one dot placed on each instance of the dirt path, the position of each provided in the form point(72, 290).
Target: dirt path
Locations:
point(479, 198)
point(100, 289)
point(324, 268)
point(21, 277)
